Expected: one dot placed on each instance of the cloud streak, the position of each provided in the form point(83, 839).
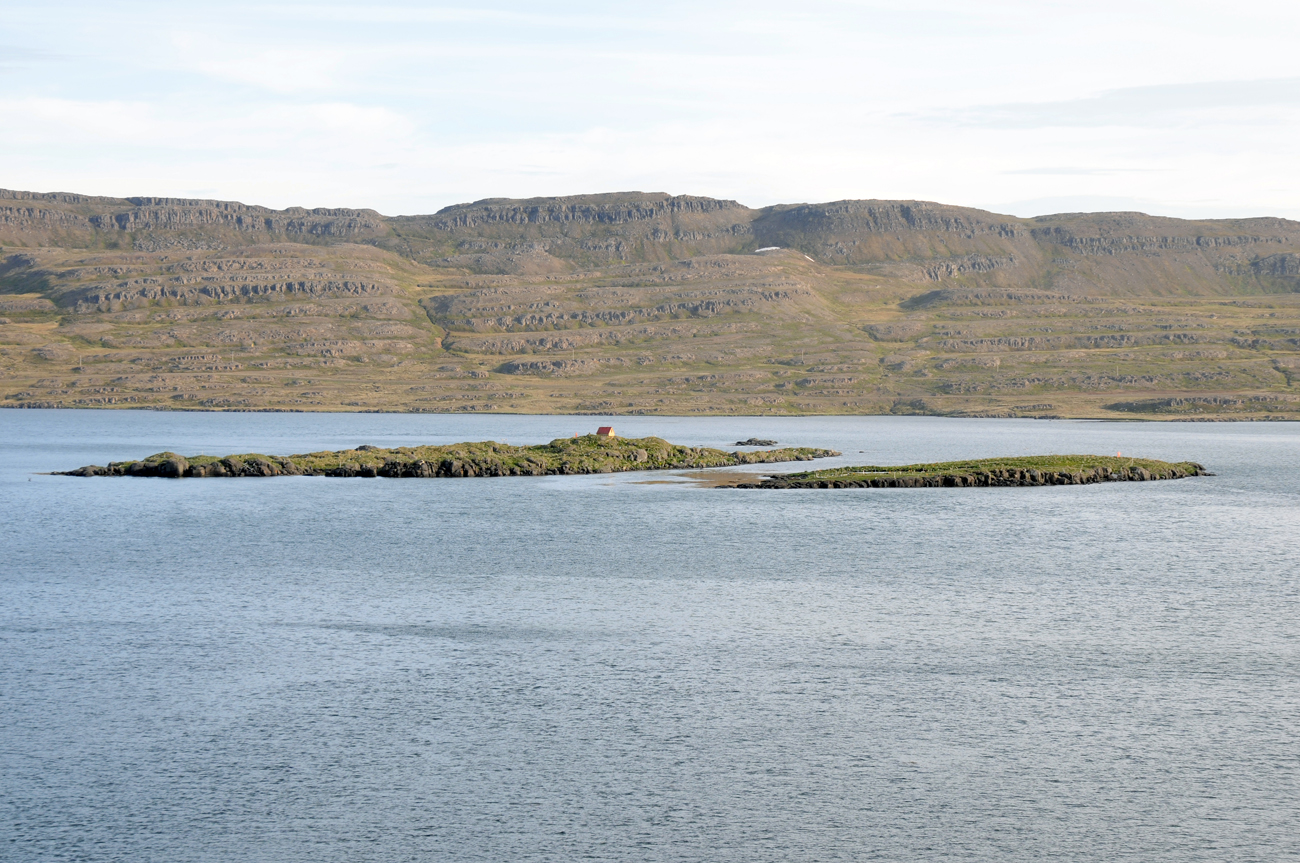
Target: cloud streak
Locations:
point(1136, 106)
point(408, 107)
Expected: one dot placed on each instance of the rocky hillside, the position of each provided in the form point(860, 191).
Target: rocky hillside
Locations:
point(153, 224)
point(564, 234)
point(637, 302)
point(916, 241)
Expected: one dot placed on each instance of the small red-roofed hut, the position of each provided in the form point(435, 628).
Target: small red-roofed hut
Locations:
point(605, 432)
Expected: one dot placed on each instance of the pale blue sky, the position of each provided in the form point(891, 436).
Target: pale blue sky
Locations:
point(1189, 108)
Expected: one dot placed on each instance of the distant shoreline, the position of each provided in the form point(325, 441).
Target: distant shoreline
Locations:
point(615, 414)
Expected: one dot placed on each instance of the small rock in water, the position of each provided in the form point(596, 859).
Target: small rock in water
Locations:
point(755, 441)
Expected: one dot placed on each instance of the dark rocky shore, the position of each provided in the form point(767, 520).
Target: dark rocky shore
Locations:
point(578, 455)
point(1023, 471)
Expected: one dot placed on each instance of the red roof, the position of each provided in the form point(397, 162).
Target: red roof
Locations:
point(605, 430)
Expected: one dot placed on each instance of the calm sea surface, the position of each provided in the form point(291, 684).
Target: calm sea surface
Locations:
point(566, 668)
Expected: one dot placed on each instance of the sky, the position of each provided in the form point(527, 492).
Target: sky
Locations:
point(1185, 108)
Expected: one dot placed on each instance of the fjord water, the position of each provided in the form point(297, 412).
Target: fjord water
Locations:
point(562, 668)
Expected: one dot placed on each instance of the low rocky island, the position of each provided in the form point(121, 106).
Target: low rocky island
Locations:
point(1015, 471)
point(577, 455)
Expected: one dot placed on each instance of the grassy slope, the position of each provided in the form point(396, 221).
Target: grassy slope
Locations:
point(579, 455)
point(1042, 463)
point(716, 334)
point(1015, 470)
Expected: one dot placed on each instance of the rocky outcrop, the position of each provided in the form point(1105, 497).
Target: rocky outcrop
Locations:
point(781, 224)
point(913, 240)
point(25, 304)
point(704, 308)
point(555, 367)
point(612, 209)
point(138, 291)
point(505, 235)
point(957, 297)
point(175, 214)
point(169, 465)
point(1040, 343)
point(917, 241)
point(33, 218)
point(106, 281)
point(1285, 265)
point(1197, 405)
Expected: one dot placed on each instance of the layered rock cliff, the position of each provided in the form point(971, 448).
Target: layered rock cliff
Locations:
point(916, 241)
point(152, 224)
point(646, 303)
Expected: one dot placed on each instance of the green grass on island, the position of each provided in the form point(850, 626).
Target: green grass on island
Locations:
point(578, 455)
point(1009, 471)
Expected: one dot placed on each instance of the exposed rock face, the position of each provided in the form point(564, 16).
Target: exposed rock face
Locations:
point(155, 214)
point(919, 241)
point(542, 234)
point(634, 305)
point(25, 304)
point(1213, 405)
point(615, 209)
point(146, 290)
point(640, 303)
point(164, 222)
point(954, 240)
point(169, 465)
point(102, 281)
point(1285, 265)
point(551, 368)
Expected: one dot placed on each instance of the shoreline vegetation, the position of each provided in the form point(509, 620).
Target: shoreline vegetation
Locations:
point(586, 454)
point(990, 472)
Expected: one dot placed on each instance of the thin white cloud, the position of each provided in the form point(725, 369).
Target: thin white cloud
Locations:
point(37, 121)
point(409, 106)
point(1074, 171)
point(284, 70)
point(14, 56)
point(1136, 106)
point(289, 131)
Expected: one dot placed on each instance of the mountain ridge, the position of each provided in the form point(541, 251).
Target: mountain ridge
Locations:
point(645, 302)
point(916, 240)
